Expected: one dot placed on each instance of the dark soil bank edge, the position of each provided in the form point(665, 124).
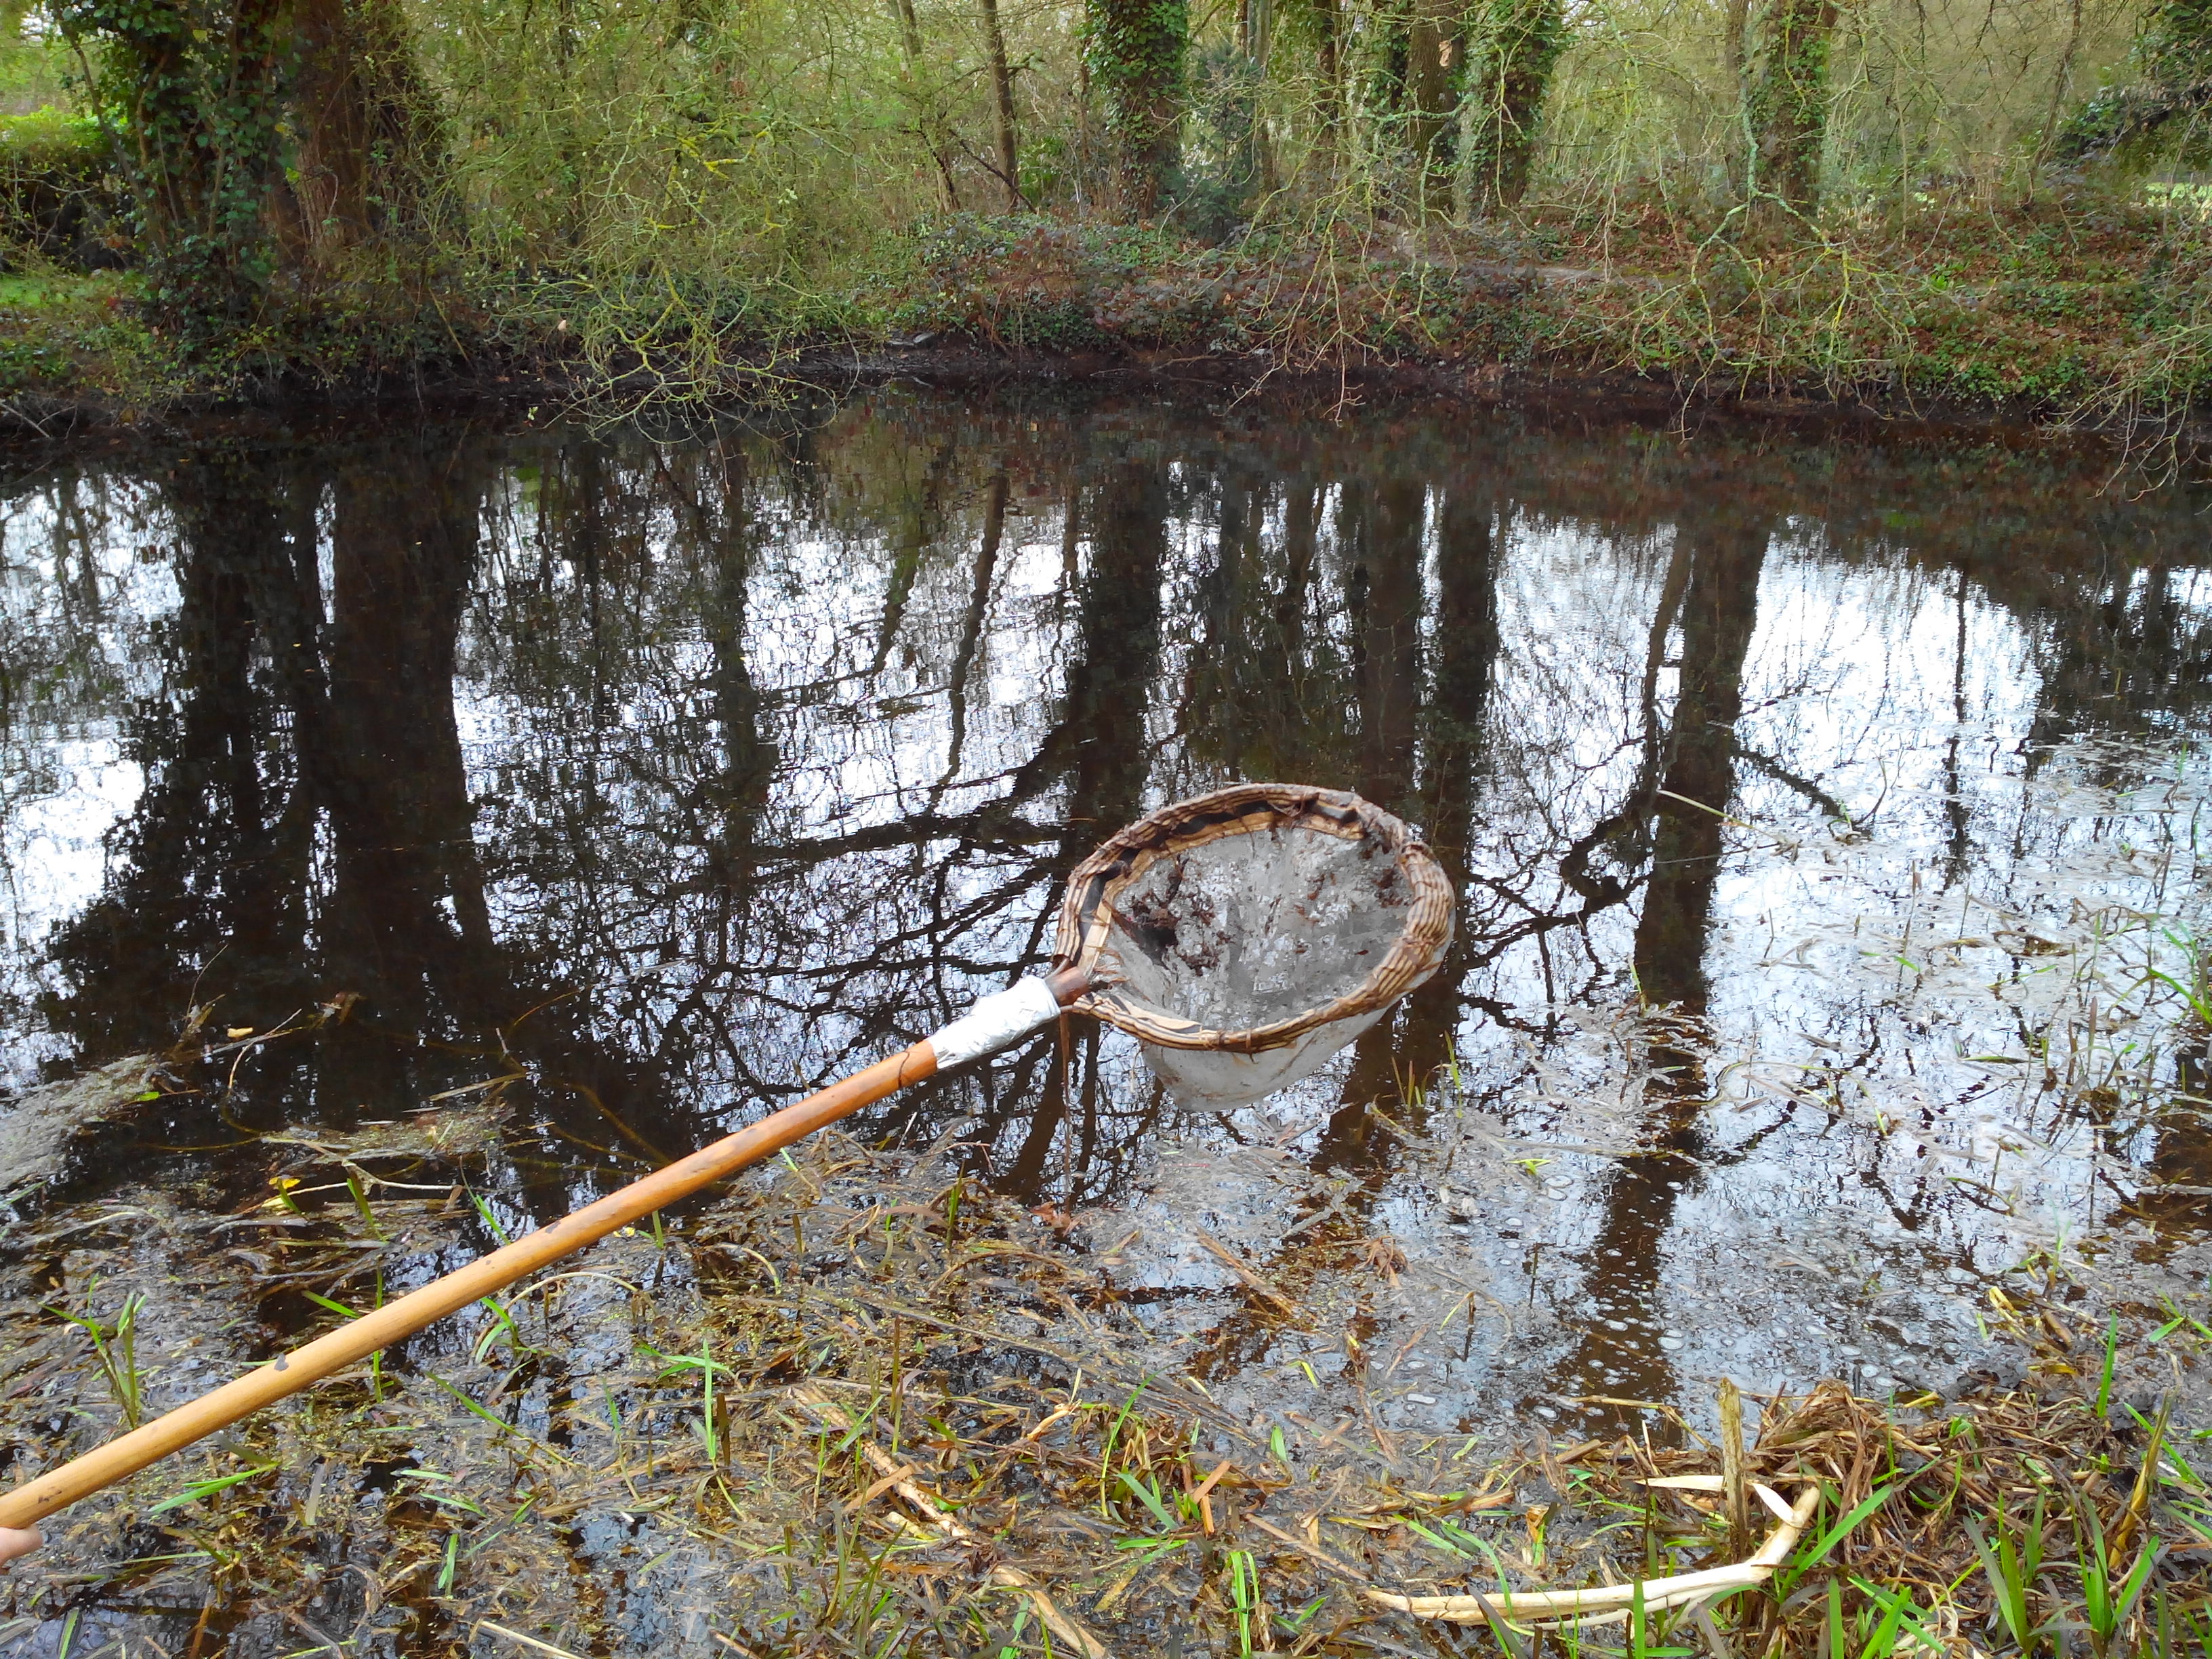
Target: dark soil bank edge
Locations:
point(508, 387)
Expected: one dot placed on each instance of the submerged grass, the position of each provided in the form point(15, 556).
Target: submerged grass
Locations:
point(858, 1407)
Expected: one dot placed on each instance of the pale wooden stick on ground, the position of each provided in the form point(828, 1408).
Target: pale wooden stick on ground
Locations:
point(1613, 1602)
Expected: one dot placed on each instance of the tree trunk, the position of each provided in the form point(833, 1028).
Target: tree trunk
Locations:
point(1135, 50)
point(1328, 58)
point(1432, 48)
point(1786, 111)
point(366, 162)
point(1727, 552)
point(1515, 44)
point(406, 901)
point(331, 184)
point(1002, 96)
point(934, 137)
point(1736, 151)
point(1253, 18)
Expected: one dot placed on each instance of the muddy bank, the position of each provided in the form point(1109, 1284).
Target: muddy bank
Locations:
point(2071, 318)
point(550, 387)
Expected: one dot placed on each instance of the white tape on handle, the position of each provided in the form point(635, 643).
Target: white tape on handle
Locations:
point(996, 1020)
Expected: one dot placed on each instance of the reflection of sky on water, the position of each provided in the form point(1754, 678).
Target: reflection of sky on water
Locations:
point(51, 854)
point(80, 587)
point(770, 755)
point(1907, 699)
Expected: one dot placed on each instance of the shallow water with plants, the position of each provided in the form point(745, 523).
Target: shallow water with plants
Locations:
point(413, 830)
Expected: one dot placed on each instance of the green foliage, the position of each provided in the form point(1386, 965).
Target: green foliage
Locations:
point(34, 64)
point(196, 1491)
point(665, 197)
point(665, 191)
point(2176, 45)
point(197, 88)
point(1225, 141)
point(50, 139)
point(115, 1350)
point(2110, 1586)
point(57, 186)
point(2011, 1564)
point(2168, 110)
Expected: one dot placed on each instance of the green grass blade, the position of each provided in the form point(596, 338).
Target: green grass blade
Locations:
point(1144, 1494)
point(1796, 1568)
point(200, 1489)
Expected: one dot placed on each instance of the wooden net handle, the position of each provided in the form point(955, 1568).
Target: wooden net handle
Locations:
point(290, 1373)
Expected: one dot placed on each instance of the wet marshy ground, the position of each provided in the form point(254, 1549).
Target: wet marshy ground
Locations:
point(428, 832)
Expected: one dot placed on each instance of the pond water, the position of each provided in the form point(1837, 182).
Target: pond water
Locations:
point(1828, 817)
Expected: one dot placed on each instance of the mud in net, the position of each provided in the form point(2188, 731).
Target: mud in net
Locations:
point(1243, 937)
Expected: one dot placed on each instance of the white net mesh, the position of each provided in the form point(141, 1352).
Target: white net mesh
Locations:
point(1244, 937)
point(1247, 931)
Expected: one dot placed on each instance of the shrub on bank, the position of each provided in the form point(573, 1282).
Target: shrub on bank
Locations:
point(59, 195)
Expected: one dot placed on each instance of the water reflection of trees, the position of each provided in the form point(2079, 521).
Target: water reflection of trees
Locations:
point(1716, 567)
point(684, 775)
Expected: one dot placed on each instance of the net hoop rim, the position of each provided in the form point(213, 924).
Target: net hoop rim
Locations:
point(1240, 809)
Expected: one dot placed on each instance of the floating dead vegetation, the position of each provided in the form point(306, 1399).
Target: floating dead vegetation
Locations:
point(858, 1406)
point(38, 1125)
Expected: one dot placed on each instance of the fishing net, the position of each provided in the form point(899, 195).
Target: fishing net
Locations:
point(1245, 936)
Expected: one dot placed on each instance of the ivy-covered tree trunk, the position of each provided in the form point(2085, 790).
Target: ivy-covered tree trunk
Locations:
point(216, 97)
point(1513, 45)
point(1786, 111)
point(1432, 48)
point(199, 86)
point(366, 162)
point(1135, 50)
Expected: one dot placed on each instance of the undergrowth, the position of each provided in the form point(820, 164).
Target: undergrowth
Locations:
point(2090, 316)
point(2100, 317)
